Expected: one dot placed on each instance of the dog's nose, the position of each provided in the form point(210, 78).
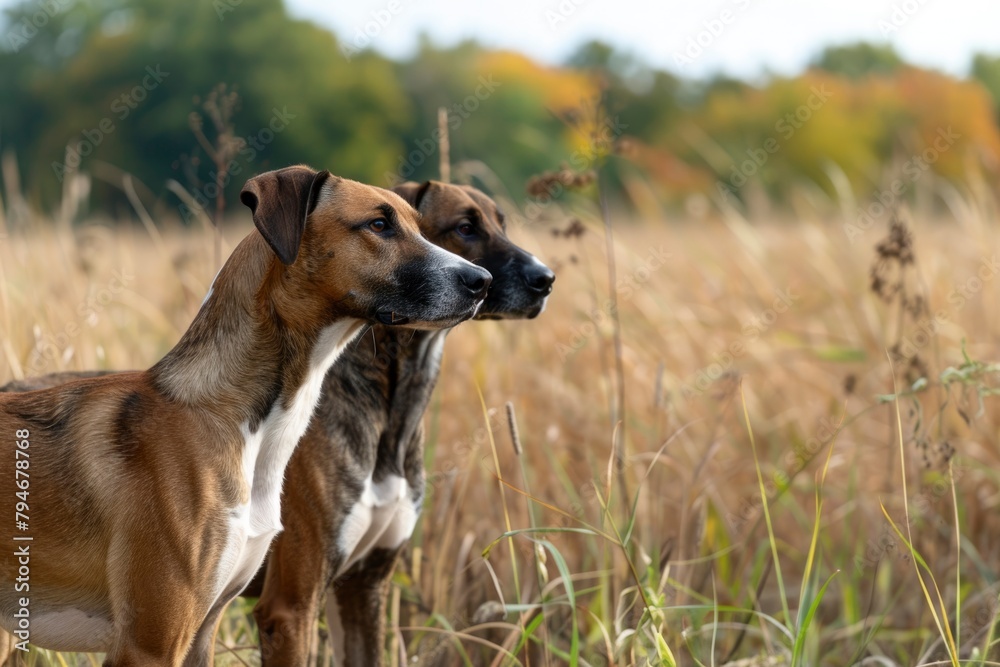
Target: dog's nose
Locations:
point(538, 278)
point(475, 279)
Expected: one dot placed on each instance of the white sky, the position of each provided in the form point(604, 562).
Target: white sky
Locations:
point(779, 35)
point(761, 35)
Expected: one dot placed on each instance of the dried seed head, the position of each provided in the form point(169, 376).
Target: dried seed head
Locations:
point(915, 305)
point(515, 437)
point(548, 183)
point(916, 369)
point(898, 244)
point(892, 255)
point(574, 229)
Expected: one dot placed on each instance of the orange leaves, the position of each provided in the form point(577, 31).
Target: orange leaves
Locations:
point(559, 89)
point(907, 123)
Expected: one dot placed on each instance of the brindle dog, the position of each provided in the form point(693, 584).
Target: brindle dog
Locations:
point(355, 483)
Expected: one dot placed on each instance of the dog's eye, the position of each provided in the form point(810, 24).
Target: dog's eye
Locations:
point(465, 229)
point(378, 226)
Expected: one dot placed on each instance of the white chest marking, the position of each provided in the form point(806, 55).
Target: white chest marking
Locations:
point(266, 452)
point(383, 517)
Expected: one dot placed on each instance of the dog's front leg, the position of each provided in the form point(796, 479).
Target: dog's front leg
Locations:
point(360, 601)
point(297, 571)
point(158, 602)
point(157, 638)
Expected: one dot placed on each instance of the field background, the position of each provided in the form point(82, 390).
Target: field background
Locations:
point(757, 424)
point(698, 541)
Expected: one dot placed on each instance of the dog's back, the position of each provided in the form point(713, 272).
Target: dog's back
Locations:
point(50, 380)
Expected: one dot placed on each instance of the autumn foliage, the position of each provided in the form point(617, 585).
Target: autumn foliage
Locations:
point(75, 95)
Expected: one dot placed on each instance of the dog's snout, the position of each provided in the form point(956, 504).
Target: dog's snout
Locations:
point(538, 277)
point(476, 280)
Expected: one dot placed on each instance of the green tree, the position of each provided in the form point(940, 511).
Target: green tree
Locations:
point(116, 80)
point(986, 70)
point(647, 100)
point(500, 112)
point(859, 60)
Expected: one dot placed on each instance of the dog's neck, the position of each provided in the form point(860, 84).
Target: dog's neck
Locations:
point(375, 397)
point(251, 345)
point(416, 374)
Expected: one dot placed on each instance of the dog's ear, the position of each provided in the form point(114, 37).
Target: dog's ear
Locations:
point(281, 201)
point(413, 192)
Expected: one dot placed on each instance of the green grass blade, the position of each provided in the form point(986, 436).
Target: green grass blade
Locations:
point(529, 531)
point(528, 633)
point(767, 512)
point(800, 638)
point(574, 650)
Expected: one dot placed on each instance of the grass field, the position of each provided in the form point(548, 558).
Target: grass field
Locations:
point(761, 438)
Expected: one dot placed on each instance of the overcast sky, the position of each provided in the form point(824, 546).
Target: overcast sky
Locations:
point(750, 35)
point(743, 38)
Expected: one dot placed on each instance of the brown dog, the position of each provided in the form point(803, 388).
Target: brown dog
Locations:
point(355, 485)
point(154, 495)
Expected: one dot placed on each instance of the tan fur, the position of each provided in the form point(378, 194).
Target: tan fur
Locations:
point(133, 476)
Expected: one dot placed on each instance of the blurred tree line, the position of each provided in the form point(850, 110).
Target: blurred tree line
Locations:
point(110, 86)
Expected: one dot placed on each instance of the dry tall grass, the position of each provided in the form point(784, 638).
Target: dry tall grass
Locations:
point(781, 313)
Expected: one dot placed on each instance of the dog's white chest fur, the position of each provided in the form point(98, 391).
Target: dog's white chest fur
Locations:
point(383, 517)
point(266, 452)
